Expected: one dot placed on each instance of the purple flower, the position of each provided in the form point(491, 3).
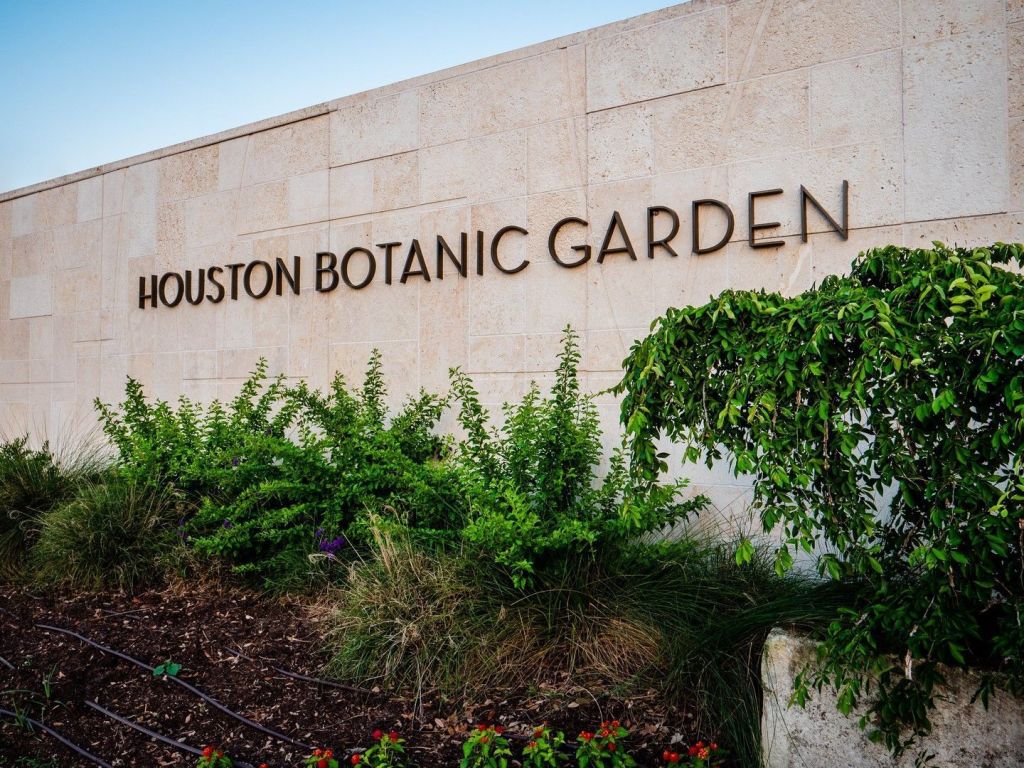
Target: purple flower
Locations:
point(319, 533)
point(227, 524)
point(235, 461)
point(332, 547)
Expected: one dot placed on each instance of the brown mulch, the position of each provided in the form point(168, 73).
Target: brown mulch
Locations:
point(199, 626)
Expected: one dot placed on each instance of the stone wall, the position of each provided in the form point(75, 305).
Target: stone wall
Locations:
point(918, 104)
point(964, 735)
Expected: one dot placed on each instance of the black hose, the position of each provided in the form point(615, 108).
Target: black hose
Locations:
point(187, 686)
point(59, 737)
point(299, 676)
point(97, 646)
point(154, 735)
point(241, 718)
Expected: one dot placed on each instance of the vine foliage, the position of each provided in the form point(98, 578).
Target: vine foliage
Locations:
point(881, 417)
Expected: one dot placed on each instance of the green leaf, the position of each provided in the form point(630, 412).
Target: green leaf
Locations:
point(957, 652)
point(744, 552)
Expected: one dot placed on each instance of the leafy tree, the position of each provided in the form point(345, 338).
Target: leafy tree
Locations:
point(881, 416)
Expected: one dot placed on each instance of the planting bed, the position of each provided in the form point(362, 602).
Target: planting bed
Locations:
point(204, 628)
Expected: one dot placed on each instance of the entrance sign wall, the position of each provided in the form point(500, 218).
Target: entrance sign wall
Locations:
point(463, 218)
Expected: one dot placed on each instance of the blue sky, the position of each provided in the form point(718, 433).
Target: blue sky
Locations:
point(86, 83)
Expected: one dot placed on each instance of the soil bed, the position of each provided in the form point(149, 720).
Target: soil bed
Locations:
point(200, 627)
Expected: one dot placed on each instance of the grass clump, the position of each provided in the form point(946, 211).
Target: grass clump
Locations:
point(112, 534)
point(419, 620)
point(32, 482)
point(713, 617)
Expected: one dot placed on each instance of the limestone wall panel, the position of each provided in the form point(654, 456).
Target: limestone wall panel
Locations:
point(620, 143)
point(556, 155)
point(673, 56)
point(290, 150)
point(856, 100)
point(517, 94)
point(189, 174)
point(351, 190)
point(1015, 69)
point(954, 88)
point(90, 199)
point(380, 127)
point(758, 118)
point(928, 20)
point(767, 36)
point(31, 296)
point(1016, 163)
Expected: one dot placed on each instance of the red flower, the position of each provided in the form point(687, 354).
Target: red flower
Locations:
point(611, 746)
point(264, 765)
point(484, 740)
point(328, 753)
point(665, 754)
point(692, 751)
point(378, 734)
point(586, 735)
point(317, 752)
point(322, 763)
point(532, 745)
point(499, 729)
point(356, 758)
point(538, 731)
point(714, 746)
point(673, 757)
point(615, 723)
point(393, 735)
point(207, 751)
point(481, 727)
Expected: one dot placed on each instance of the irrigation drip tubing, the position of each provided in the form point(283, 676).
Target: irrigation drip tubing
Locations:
point(6, 663)
point(241, 718)
point(299, 676)
point(179, 745)
point(59, 737)
point(187, 686)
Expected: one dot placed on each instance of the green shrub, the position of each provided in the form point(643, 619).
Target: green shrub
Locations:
point(193, 449)
point(306, 494)
point(882, 416)
point(537, 506)
point(112, 534)
point(31, 483)
point(283, 477)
